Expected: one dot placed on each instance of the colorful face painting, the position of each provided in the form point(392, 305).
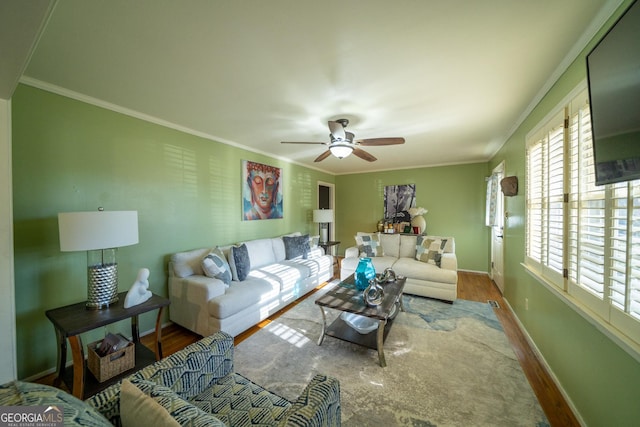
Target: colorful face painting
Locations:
point(261, 192)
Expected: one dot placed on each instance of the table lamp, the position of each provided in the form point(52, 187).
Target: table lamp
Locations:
point(100, 234)
point(323, 217)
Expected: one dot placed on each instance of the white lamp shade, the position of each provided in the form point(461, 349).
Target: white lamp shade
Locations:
point(87, 231)
point(323, 215)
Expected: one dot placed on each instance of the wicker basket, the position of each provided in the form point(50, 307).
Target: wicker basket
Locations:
point(106, 367)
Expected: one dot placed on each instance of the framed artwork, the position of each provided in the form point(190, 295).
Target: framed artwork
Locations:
point(261, 191)
point(397, 201)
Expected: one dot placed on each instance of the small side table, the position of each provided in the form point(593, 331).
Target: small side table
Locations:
point(327, 246)
point(72, 320)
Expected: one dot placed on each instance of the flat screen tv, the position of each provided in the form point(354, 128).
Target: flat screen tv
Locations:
point(613, 75)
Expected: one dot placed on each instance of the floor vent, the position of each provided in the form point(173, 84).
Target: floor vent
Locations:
point(493, 303)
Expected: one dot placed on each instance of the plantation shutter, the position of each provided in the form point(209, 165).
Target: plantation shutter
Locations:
point(624, 264)
point(545, 199)
point(586, 266)
point(592, 232)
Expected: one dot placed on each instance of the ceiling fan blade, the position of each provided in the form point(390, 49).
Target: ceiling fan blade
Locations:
point(369, 142)
point(337, 130)
point(364, 155)
point(323, 156)
point(301, 142)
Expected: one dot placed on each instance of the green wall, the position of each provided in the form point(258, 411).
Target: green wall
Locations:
point(601, 379)
point(453, 195)
point(72, 156)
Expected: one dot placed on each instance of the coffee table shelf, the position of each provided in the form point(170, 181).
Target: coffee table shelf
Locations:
point(345, 297)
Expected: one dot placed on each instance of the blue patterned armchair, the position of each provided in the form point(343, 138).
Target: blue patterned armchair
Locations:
point(197, 386)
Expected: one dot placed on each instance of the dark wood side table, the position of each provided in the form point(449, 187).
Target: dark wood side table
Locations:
point(328, 250)
point(327, 246)
point(72, 320)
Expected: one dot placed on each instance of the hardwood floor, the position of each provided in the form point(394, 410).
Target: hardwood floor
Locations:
point(472, 287)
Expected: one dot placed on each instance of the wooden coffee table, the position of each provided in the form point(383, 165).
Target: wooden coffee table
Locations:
point(346, 298)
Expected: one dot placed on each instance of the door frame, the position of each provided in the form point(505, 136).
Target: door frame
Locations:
point(499, 269)
point(332, 202)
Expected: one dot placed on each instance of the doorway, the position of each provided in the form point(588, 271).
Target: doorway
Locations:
point(326, 200)
point(497, 231)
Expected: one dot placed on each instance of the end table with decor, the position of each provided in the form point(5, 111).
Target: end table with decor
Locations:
point(72, 320)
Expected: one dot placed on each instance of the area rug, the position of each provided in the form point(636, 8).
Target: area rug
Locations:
point(447, 365)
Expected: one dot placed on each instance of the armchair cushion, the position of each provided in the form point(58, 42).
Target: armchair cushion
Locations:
point(72, 410)
point(235, 400)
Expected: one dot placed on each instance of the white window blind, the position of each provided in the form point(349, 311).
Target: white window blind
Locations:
point(590, 232)
point(545, 199)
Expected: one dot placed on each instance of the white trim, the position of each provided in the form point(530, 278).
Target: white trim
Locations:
point(559, 108)
point(58, 90)
point(542, 360)
point(628, 345)
point(8, 358)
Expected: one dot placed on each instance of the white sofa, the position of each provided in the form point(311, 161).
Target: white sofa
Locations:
point(205, 304)
point(435, 275)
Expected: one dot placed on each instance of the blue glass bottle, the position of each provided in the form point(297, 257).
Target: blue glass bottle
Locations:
point(364, 272)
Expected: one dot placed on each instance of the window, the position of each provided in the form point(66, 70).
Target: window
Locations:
point(582, 238)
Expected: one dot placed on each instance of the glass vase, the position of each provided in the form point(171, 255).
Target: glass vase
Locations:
point(364, 272)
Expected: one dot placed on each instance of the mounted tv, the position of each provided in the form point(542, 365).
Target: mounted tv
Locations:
point(613, 75)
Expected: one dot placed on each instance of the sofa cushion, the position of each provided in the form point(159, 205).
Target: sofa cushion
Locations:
point(296, 247)
point(239, 262)
point(215, 265)
point(408, 246)
point(390, 244)
point(183, 412)
point(368, 243)
point(260, 252)
point(188, 263)
point(251, 292)
point(414, 269)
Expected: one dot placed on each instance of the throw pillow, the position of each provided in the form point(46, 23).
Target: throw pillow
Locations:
point(368, 244)
point(215, 265)
point(422, 247)
point(296, 247)
point(137, 409)
point(313, 241)
point(239, 262)
point(430, 250)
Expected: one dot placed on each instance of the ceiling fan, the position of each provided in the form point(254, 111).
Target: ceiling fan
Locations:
point(342, 143)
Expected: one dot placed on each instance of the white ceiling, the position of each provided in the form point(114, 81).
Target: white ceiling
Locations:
point(452, 77)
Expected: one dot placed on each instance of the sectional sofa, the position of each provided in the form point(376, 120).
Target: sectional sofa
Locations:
point(232, 288)
point(428, 262)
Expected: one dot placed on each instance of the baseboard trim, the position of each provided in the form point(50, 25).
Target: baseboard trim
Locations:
point(540, 357)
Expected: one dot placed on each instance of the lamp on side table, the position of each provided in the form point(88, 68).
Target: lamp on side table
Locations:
point(323, 217)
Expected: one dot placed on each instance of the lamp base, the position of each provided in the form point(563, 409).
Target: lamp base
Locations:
point(324, 233)
point(102, 287)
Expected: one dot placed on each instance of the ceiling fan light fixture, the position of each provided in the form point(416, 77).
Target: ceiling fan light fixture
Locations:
point(341, 150)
